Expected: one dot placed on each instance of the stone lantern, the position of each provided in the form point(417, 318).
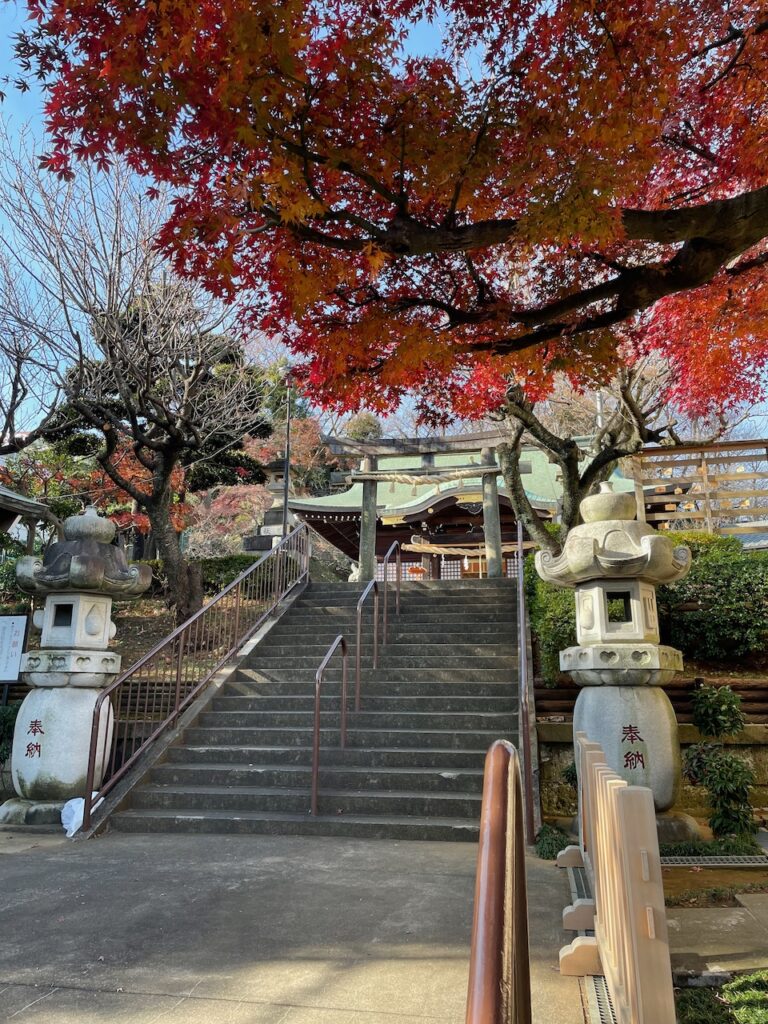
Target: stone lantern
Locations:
point(615, 564)
point(79, 577)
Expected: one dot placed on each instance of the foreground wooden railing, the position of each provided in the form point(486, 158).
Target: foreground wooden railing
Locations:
point(619, 850)
point(148, 698)
point(499, 989)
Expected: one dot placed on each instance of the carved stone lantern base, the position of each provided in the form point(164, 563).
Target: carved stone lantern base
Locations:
point(622, 664)
point(49, 667)
point(51, 743)
point(637, 729)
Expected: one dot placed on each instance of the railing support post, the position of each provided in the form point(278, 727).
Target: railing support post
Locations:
point(372, 586)
point(340, 641)
point(394, 548)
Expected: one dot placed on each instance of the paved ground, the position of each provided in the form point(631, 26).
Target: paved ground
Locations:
point(720, 938)
point(252, 930)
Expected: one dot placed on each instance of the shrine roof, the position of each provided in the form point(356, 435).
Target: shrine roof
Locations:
point(406, 497)
point(21, 505)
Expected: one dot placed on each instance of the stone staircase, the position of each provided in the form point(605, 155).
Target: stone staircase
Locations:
point(445, 688)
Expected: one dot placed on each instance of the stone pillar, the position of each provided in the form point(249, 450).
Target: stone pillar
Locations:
point(367, 554)
point(79, 576)
point(615, 563)
point(491, 519)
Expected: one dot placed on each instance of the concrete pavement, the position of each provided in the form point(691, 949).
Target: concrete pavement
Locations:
point(139, 929)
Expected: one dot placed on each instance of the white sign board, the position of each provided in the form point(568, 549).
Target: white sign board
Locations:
point(13, 629)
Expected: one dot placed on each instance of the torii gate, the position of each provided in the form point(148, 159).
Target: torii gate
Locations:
point(370, 476)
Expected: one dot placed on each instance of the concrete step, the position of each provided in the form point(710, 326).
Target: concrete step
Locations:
point(249, 798)
point(384, 675)
point(428, 613)
point(403, 631)
point(466, 739)
point(356, 720)
point(270, 649)
point(273, 823)
point(246, 686)
point(442, 758)
point(391, 663)
point(402, 705)
point(347, 777)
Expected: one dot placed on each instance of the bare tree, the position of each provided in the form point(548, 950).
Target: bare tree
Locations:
point(586, 436)
point(141, 360)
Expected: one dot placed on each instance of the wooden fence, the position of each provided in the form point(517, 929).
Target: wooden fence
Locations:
point(559, 700)
point(721, 488)
point(619, 850)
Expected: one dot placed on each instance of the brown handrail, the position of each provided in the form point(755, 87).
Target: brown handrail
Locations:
point(499, 990)
point(319, 676)
point(151, 694)
point(372, 586)
point(524, 722)
point(395, 547)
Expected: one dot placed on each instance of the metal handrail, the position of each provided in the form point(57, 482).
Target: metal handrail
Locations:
point(499, 990)
point(524, 702)
point(372, 586)
point(394, 547)
point(319, 676)
point(152, 693)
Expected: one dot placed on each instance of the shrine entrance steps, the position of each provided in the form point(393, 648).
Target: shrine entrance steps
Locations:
point(445, 688)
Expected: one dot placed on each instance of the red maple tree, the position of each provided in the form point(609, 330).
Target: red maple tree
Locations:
point(447, 222)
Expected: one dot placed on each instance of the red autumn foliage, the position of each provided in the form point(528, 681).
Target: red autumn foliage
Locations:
point(500, 207)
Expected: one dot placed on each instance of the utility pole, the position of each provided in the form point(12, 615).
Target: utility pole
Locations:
point(287, 464)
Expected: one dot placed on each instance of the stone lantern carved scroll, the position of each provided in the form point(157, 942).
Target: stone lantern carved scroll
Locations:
point(79, 577)
point(615, 563)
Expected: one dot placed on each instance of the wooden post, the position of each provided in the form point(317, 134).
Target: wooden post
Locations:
point(491, 519)
point(367, 551)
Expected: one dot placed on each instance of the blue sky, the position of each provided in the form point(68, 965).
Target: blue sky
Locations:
point(18, 108)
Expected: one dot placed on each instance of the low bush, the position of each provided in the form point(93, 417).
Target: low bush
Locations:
point(733, 846)
point(720, 609)
point(217, 572)
point(8, 715)
point(552, 612)
point(717, 711)
point(702, 543)
point(747, 998)
point(727, 777)
point(550, 841)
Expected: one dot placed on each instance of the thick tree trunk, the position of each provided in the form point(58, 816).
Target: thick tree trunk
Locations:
point(509, 461)
point(185, 586)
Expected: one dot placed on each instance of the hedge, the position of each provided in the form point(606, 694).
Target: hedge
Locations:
point(217, 572)
point(720, 609)
point(717, 612)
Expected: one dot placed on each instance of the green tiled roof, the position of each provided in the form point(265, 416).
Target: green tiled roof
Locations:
point(541, 485)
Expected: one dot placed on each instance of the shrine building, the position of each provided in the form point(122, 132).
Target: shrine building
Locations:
point(442, 498)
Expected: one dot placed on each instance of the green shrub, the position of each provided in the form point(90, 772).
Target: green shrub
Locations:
point(732, 846)
point(702, 543)
point(717, 711)
point(701, 1006)
point(727, 778)
point(550, 841)
point(747, 998)
point(217, 572)
point(570, 775)
point(720, 609)
point(552, 612)
point(9, 588)
point(8, 715)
